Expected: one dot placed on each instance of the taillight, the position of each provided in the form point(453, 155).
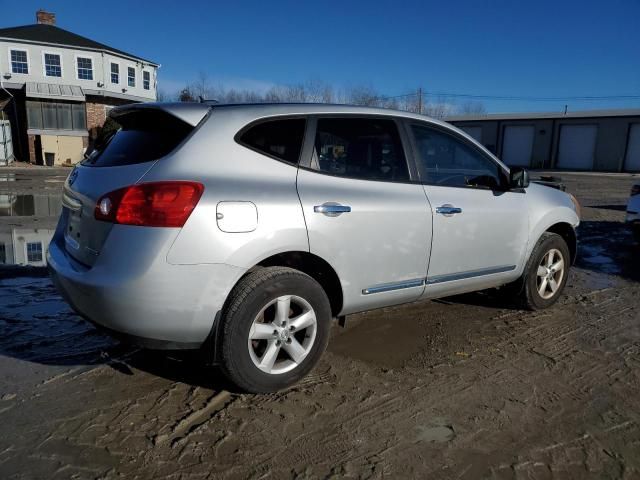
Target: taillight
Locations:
point(635, 190)
point(155, 204)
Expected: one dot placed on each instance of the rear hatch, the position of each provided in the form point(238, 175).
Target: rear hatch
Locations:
point(132, 139)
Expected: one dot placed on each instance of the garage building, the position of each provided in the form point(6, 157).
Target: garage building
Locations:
point(601, 140)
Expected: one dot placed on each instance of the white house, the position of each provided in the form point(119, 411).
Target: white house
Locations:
point(60, 85)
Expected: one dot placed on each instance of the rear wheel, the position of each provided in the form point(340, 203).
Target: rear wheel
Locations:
point(546, 273)
point(275, 328)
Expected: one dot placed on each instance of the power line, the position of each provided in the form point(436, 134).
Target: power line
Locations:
point(425, 93)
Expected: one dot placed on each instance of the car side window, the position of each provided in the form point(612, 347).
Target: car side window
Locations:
point(281, 139)
point(360, 148)
point(447, 161)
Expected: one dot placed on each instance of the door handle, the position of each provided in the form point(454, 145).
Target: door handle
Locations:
point(448, 210)
point(331, 209)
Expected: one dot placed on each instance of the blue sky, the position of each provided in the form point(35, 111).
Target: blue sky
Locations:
point(505, 48)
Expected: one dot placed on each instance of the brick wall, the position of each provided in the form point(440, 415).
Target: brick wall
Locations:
point(32, 148)
point(97, 113)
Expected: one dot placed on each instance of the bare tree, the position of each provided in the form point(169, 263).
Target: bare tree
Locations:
point(161, 95)
point(472, 108)
point(201, 87)
point(363, 95)
point(186, 95)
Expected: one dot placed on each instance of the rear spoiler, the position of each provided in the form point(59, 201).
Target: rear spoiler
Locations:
point(191, 113)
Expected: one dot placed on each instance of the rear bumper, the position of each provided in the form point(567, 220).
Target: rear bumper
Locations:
point(141, 298)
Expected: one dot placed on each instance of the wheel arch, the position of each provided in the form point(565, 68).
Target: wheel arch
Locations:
point(314, 266)
point(568, 233)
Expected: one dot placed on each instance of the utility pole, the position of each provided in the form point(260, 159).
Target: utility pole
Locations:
point(420, 100)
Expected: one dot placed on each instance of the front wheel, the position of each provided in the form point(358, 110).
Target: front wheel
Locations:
point(546, 273)
point(275, 327)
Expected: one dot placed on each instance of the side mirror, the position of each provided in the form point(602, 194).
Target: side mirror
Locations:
point(518, 177)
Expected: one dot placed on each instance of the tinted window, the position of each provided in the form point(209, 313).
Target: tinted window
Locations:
point(363, 148)
point(136, 138)
point(278, 138)
point(445, 160)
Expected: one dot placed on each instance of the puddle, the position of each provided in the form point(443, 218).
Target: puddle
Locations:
point(30, 205)
point(38, 326)
point(9, 177)
point(595, 256)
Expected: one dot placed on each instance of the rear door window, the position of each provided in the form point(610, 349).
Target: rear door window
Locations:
point(280, 139)
point(360, 148)
point(137, 137)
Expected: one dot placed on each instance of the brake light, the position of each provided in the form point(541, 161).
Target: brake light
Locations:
point(155, 204)
point(635, 190)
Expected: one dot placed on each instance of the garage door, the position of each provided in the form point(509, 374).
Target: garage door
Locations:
point(577, 147)
point(632, 160)
point(517, 145)
point(475, 132)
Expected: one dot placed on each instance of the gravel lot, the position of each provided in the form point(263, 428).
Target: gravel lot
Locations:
point(465, 387)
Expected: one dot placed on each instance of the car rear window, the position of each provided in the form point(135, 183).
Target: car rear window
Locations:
point(281, 139)
point(137, 137)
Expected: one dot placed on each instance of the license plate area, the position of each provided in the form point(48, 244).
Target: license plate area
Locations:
point(72, 230)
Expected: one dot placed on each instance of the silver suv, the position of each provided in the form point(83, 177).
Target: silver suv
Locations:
point(244, 229)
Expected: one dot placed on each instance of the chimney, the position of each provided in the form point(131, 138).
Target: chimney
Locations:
point(45, 18)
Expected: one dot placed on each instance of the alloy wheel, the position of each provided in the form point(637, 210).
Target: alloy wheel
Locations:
point(282, 334)
point(550, 273)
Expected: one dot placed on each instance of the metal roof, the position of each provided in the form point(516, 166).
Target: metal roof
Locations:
point(52, 35)
point(625, 112)
point(54, 91)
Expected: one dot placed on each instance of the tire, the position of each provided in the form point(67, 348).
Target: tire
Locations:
point(258, 304)
point(530, 284)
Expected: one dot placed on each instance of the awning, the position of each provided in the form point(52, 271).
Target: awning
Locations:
point(54, 91)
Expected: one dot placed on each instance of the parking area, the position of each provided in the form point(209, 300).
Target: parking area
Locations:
point(464, 387)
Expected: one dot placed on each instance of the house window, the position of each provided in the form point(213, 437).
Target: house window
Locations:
point(50, 115)
point(19, 61)
point(34, 252)
point(146, 80)
point(131, 76)
point(3, 253)
point(115, 73)
point(52, 65)
point(85, 68)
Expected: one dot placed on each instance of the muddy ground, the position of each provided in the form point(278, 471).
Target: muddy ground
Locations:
point(465, 387)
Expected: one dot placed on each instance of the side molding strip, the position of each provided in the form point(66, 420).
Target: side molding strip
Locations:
point(387, 287)
point(419, 282)
point(450, 277)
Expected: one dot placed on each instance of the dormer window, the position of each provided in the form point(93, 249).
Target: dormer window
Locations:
point(52, 65)
point(85, 68)
point(19, 62)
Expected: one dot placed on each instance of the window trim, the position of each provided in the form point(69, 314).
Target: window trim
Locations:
point(237, 137)
point(310, 137)
point(40, 249)
point(111, 62)
point(44, 64)
point(93, 70)
point(149, 73)
point(410, 122)
point(135, 77)
point(11, 62)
